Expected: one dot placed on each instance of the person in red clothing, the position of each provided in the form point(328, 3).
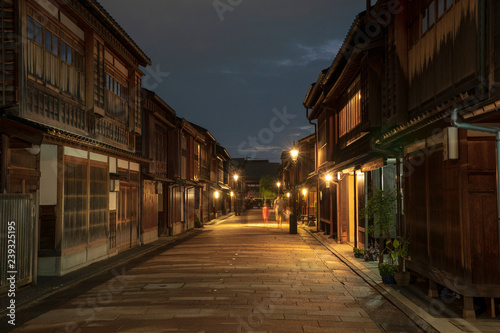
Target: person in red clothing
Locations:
point(265, 213)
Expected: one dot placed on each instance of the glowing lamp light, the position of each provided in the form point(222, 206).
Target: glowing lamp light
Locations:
point(295, 154)
point(232, 193)
point(339, 175)
point(216, 194)
point(235, 177)
point(288, 195)
point(328, 177)
point(304, 191)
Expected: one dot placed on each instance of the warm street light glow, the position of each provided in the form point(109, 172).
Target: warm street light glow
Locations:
point(288, 195)
point(232, 193)
point(294, 153)
point(235, 177)
point(216, 194)
point(304, 191)
point(328, 177)
point(278, 184)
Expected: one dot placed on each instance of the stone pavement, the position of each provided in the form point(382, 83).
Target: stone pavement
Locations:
point(431, 314)
point(234, 275)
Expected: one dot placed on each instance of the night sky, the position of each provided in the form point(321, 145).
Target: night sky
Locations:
point(239, 68)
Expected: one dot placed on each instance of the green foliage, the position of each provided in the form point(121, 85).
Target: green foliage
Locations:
point(358, 253)
point(386, 269)
point(267, 187)
point(381, 207)
point(197, 222)
point(399, 250)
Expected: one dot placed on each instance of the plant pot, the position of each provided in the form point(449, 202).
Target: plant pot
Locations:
point(388, 279)
point(402, 278)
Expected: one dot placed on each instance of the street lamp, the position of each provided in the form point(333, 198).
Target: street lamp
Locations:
point(236, 204)
point(216, 196)
point(278, 184)
point(294, 154)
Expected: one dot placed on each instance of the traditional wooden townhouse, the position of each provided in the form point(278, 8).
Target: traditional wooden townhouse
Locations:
point(205, 178)
point(184, 194)
point(449, 54)
point(70, 91)
point(346, 102)
point(158, 138)
point(223, 199)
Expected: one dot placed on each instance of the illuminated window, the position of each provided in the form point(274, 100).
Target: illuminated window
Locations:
point(350, 115)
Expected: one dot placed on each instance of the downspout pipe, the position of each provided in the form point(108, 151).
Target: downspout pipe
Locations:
point(496, 131)
point(315, 166)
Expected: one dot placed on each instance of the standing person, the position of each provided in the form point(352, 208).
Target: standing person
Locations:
point(265, 213)
point(278, 208)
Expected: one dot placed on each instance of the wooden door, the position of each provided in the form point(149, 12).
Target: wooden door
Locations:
point(344, 210)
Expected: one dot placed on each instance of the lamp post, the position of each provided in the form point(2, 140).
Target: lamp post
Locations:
point(278, 184)
point(294, 154)
point(216, 196)
point(236, 204)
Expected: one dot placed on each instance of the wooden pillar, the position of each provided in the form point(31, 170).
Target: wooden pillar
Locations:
point(432, 292)
point(4, 165)
point(469, 312)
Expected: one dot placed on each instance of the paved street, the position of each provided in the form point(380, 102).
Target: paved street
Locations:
point(237, 275)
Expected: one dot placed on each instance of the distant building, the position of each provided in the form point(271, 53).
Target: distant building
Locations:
point(254, 171)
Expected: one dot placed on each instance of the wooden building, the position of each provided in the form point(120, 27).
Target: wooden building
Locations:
point(159, 133)
point(450, 60)
point(70, 90)
point(299, 180)
point(346, 102)
point(206, 178)
point(383, 112)
point(223, 204)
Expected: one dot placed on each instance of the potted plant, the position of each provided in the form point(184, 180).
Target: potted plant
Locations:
point(358, 253)
point(381, 208)
point(399, 252)
point(386, 271)
point(372, 253)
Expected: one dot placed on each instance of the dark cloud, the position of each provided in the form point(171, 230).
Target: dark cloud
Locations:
point(229, 75)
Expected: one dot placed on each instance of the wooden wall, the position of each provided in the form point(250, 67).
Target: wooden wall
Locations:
point(10, 41)
point(450, 212)
point(445, 58)
point(149, 207)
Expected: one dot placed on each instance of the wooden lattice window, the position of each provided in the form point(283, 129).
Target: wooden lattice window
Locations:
point(98, 200)
point(75, 202)
point(350, 115)
point(99, 80)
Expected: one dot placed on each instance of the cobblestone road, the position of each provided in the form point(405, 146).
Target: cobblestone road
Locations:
point(237, 276)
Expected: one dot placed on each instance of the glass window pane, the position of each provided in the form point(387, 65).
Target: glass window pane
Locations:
point(55, 43)
point(441, 7)
point(424, 22)
point(31, 28)
point(38, 33)
point(63, 50)
point(69, 57)
point(431, 14)
point(48, 40)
